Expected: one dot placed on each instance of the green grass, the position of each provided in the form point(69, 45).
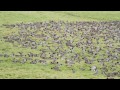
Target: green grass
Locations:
point(27, 71)
point(11, 70)
point(33, 16)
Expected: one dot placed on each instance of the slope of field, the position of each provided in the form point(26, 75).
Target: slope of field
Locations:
point(33, 16)
point(11, 70)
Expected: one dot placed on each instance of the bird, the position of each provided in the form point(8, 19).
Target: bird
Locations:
point(56, 68)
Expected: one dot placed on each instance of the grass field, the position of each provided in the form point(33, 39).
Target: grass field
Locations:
point(33, 16)
point(11, 70)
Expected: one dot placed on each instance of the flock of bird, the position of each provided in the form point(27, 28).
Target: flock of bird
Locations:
point(67, 43)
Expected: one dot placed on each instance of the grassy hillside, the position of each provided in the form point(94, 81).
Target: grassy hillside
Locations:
point(33, 16)
point(11, 70)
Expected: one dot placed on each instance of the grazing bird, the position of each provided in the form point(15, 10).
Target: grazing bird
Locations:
point(43, 61)
point(56, 68)
point(93, 68)
point(82, 69)
point(1, 55)
point(24, 61)
point(6, 55)
point(1, 61)
point(33, 62)
point(15, 60)
point(73, 71)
